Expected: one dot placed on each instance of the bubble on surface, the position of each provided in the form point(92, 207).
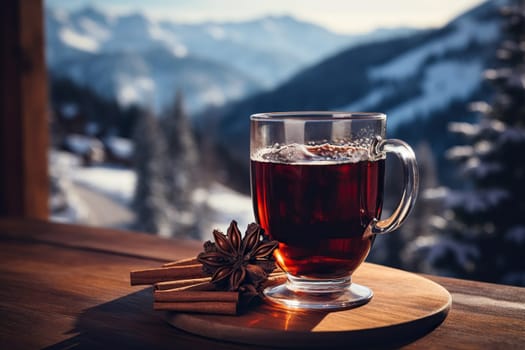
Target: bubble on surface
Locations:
point(289, 154)
point(312, 154)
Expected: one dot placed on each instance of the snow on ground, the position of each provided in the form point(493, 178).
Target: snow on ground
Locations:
point(81, 144)
point(223, 205)
point(216, 206)
point(121, 147)
point(66, 205)
point(73, 208)
point(115, 182)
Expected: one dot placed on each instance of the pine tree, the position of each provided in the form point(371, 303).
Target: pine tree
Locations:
point(485, 235)
point(398, 249)
point(181, 171)
point(150, 203)
point(423, 223)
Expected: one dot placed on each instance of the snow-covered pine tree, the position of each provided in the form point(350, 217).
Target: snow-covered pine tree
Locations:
point(181, 174)
point(396, 249)
point(150, 202)
point(423, 221)
point(485, 235)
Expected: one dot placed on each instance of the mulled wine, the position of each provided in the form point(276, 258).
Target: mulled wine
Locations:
point(317, 201)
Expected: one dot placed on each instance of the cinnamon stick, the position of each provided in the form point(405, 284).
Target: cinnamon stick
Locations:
point(194, 284)
point(205, 307)
point(185, 295)
point(182, 262)
point(200, 283)
point(151, 276)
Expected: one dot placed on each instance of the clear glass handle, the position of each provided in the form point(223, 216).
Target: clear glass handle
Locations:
point(411, 184)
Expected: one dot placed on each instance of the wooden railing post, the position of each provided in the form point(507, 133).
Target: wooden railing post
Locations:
point(24, 136)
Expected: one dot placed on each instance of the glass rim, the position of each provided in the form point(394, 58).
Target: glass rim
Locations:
point(317, 116)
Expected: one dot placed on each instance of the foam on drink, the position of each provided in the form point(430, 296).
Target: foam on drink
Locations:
point(317, 154)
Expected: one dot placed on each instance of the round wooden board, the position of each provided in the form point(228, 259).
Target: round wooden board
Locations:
point(405, 306)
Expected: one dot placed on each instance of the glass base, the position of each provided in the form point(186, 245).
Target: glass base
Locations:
point(306, 294)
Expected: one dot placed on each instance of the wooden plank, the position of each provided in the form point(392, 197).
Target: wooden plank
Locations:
point(125, 243)
point(24, 188)
point(483, 316)
point(66, 295)
point(56, 297)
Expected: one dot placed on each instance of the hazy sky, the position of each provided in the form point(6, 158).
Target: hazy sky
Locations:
point(344, 16)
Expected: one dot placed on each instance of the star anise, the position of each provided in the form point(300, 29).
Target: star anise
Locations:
point(238, 264)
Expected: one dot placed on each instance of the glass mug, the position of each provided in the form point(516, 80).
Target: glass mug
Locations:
point(317, 182)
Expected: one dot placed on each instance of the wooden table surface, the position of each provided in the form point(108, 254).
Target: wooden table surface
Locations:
point(67, 286)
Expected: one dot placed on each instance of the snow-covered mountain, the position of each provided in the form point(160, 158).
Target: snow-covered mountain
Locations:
point(448, 67)
point(136, 59)
point(153, 77)
point(420, 81)
point(128, 59)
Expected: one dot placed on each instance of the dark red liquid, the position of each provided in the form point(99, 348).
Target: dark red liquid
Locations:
point(318, 213)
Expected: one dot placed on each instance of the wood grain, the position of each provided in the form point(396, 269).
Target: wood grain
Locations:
point(141, 246)
point(24, 187)
point(70, 289)
point(405, 306)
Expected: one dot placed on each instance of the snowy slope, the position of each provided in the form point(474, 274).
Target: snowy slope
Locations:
point(418, 78)
point(443, 81)
point(439, 87)
point(465, 30)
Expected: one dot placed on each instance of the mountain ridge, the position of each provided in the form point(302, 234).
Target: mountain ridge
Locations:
point(257, 53)
point(413, 80)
